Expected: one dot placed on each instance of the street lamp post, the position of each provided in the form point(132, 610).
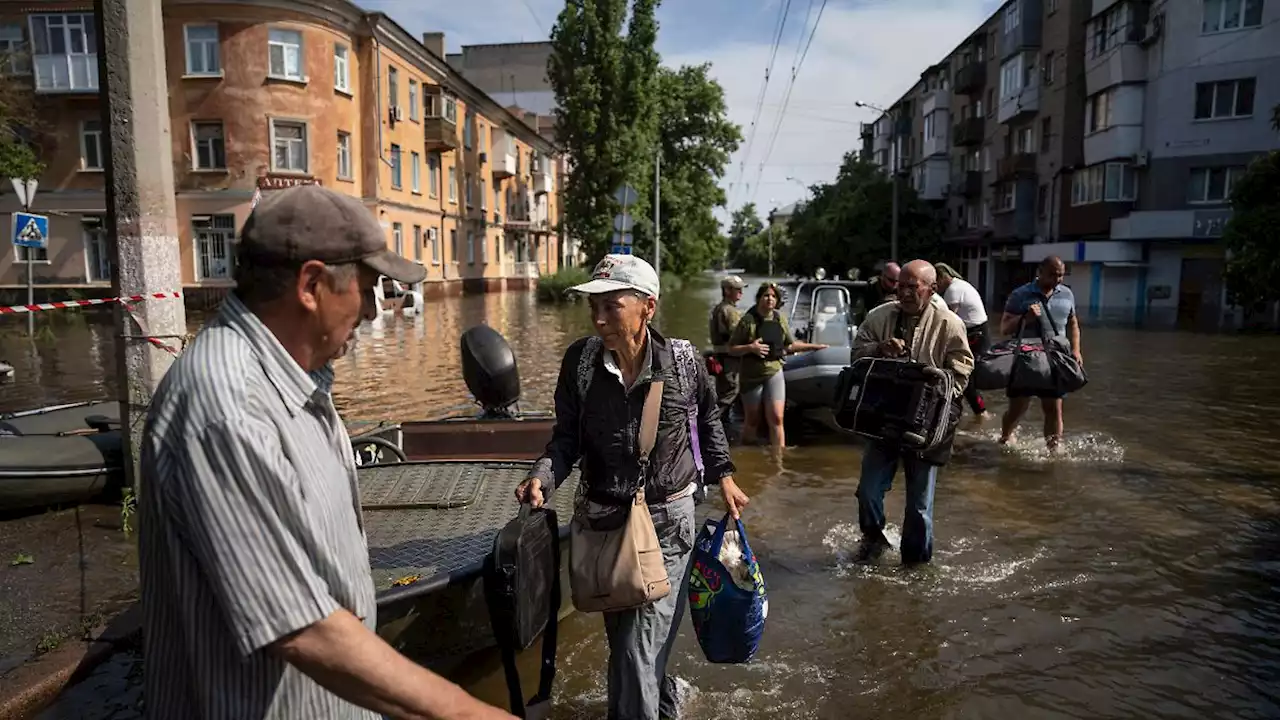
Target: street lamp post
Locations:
point(893, 176)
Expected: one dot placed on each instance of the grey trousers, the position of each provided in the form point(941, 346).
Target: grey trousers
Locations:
point(640, 640)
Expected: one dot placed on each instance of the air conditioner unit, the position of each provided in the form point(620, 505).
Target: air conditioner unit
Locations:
point(484, 158)
point(397, 113)
point(1142, 158)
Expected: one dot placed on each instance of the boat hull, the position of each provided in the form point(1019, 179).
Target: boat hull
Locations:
point(812, 377)
point(51, 456)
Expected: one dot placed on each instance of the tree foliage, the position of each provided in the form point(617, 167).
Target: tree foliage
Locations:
point(696, 139)
point(604, 82)
point(19, 120)
point(744, 225)
point(1252, 235)
point(846, 225)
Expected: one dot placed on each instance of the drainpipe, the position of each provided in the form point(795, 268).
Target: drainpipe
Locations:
point(377, 100)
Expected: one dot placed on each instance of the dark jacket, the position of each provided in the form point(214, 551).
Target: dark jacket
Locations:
point(604, 431)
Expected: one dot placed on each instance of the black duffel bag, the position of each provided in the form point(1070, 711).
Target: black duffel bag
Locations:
point(899, 403)
point(1045, 366)
point(991, 369)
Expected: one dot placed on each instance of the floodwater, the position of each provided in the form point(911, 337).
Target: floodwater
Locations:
point(1136, 574)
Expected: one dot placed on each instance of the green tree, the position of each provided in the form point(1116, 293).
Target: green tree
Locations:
point(1252, 235)
point(744, 225)
point(606, 119)
point(847, 224)
point(754, 254)
point(696, 139)
point(19, 119)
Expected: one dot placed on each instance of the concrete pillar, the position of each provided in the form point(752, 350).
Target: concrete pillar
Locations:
point(140, 201)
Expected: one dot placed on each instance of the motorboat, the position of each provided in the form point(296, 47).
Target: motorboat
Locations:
point(822, 311)
point(393, 295)
point(59, 454)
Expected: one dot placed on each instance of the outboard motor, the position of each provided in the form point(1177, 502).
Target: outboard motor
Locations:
point(489, 369)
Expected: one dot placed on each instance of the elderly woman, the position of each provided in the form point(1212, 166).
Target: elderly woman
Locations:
point(762, 339)
point(599, 400)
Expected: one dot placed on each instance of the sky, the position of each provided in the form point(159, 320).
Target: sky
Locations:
point(869, 51)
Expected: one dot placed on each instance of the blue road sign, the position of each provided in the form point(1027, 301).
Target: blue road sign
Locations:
point(30, 231)
point(620, 250)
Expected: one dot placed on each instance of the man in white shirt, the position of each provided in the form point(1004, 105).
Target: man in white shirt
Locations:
point(965, 301)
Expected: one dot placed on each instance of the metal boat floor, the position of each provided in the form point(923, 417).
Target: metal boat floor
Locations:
point(426, 519)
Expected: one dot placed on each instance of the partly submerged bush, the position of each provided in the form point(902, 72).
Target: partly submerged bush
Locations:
point(554, 288)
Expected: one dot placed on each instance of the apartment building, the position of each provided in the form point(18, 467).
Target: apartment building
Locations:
point(1107, 132)
point(268, 94)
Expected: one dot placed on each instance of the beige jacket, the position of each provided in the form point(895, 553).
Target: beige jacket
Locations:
point(938, 339)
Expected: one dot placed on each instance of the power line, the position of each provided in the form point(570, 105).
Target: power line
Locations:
point(764, 87)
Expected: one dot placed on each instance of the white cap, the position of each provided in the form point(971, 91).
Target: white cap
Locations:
point(621, 272)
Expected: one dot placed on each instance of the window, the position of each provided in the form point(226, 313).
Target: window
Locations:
point(483, 204)
point(415, 172)
point(396, 177)
point(1024, 140)
point(1050, 67)
point(202, 50)
point(1012, 16)
point(1107, 182)
point(97, 253)
point(453, 245)
point(467, 190)
point(417, 243)
point(1042, 200)
point(1222, 15)
point(397, 238)
point(1052, 7)
point(1005, 197)
point(991, 102)
point(435, 245)
point(1108, 30)
point(284, 54)
point(64, 52)
point(342, 68)
point(289, 140)
point(214, 237)
point(433, 174)
point(91, 145)
point(1213, 185)
point(986, 159)
point(1011, 77)
point(1225, 99)
point(1097, 111)
point(413, 101)
point(393, 86)
point(453, 185)
point(471, 248)
point(480, 138)
point(14, 58)
point(1046, 131)
point(344, 156)
point(450, 108)
point(210, 145)
point(977, 108)
point(469, 130)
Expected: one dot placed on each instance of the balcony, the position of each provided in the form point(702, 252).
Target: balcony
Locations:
point(70, 73)
point(1020, 221)
point(1170, 224)
point(542, 181)
point(1116, 142)
point(1019, 105)
point(931, 178)
point(1121, 64)
point(936, 145)
point(968, 132)
point(937, 100)
point(967, 184)
point(504, 158)
point(440, 133)
point(971, 78)
point(1017, 165)
point(1026, 34)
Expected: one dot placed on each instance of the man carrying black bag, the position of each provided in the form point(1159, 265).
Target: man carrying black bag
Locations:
point(917, 329)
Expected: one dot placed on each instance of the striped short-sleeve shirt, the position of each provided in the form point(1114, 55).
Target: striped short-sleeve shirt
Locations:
point(250, 527)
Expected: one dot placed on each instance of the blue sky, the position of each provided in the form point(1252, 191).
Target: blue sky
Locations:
point(862, 50)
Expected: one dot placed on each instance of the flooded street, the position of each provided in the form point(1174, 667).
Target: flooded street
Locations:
point(1134, 575)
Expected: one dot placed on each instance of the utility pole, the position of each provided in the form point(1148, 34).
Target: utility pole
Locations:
point(141, 214)
point(657, 212)
point(895, 152)
point(26, 191)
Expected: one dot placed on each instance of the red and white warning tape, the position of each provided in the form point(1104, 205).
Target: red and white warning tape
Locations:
point(64, 304)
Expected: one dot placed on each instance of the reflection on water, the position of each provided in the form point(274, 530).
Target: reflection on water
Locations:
point(1133, 574)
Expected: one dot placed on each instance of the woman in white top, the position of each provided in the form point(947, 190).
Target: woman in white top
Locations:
point(964, 300)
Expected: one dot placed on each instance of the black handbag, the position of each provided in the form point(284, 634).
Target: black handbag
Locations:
point(1045, 366)
point(522, 589)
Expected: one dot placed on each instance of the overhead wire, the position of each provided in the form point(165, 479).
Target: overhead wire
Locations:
point(780, 26)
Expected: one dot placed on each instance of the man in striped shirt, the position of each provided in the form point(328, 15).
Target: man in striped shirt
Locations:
point(256, 591)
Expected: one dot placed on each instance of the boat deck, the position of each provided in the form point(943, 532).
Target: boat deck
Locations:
point(432, 522)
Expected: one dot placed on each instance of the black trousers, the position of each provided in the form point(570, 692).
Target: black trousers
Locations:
point(979, 341)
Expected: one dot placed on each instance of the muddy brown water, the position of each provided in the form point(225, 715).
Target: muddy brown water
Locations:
point(1135, 575)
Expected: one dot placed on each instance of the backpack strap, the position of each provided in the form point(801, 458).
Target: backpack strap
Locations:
point(587, 365)
point(686, 362)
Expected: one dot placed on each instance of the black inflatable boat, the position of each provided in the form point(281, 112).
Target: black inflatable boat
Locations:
point(59, 454)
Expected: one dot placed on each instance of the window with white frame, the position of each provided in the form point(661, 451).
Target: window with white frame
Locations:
point(1225, 99)
point(284, 54)
point(1005, 197)
point(1011, 77)
point(15, 58)
point(986, 158)
point(289, 144)
point(453, 246)
point(91, 145)
point(986, 213)
point(413, 100)
point(1012, 16)
point(344, 156)
point(433, 174)
point(393, 86)
point(453, 185)
point(1109, 29)
point(466, 189)
point(450, 108)
point(1050, 65)
point(215, 237)
point(1223, 15)
point(471, 247)
point(396, 176)
point(397, 238)
point(415, 172)
point(469, 131)
point(417, 243)
point(64, 52)
point(1098, 110)
point(342, 68)
point(1213, 185)
point(1106, 182)
point(1024, 140)
point(209, 145)
point(203, 54)
point(433, 237)
point(97, 253)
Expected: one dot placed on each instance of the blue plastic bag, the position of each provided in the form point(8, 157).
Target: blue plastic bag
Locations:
point(728, 604)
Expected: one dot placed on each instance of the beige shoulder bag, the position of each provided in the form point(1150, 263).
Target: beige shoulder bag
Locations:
point(618, 565)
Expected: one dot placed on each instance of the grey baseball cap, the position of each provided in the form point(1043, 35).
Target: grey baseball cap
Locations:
point(621, 272)
point(732, 281)
point(309, 222)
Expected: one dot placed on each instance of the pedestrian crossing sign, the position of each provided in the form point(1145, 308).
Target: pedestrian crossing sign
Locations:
point(30, 231)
